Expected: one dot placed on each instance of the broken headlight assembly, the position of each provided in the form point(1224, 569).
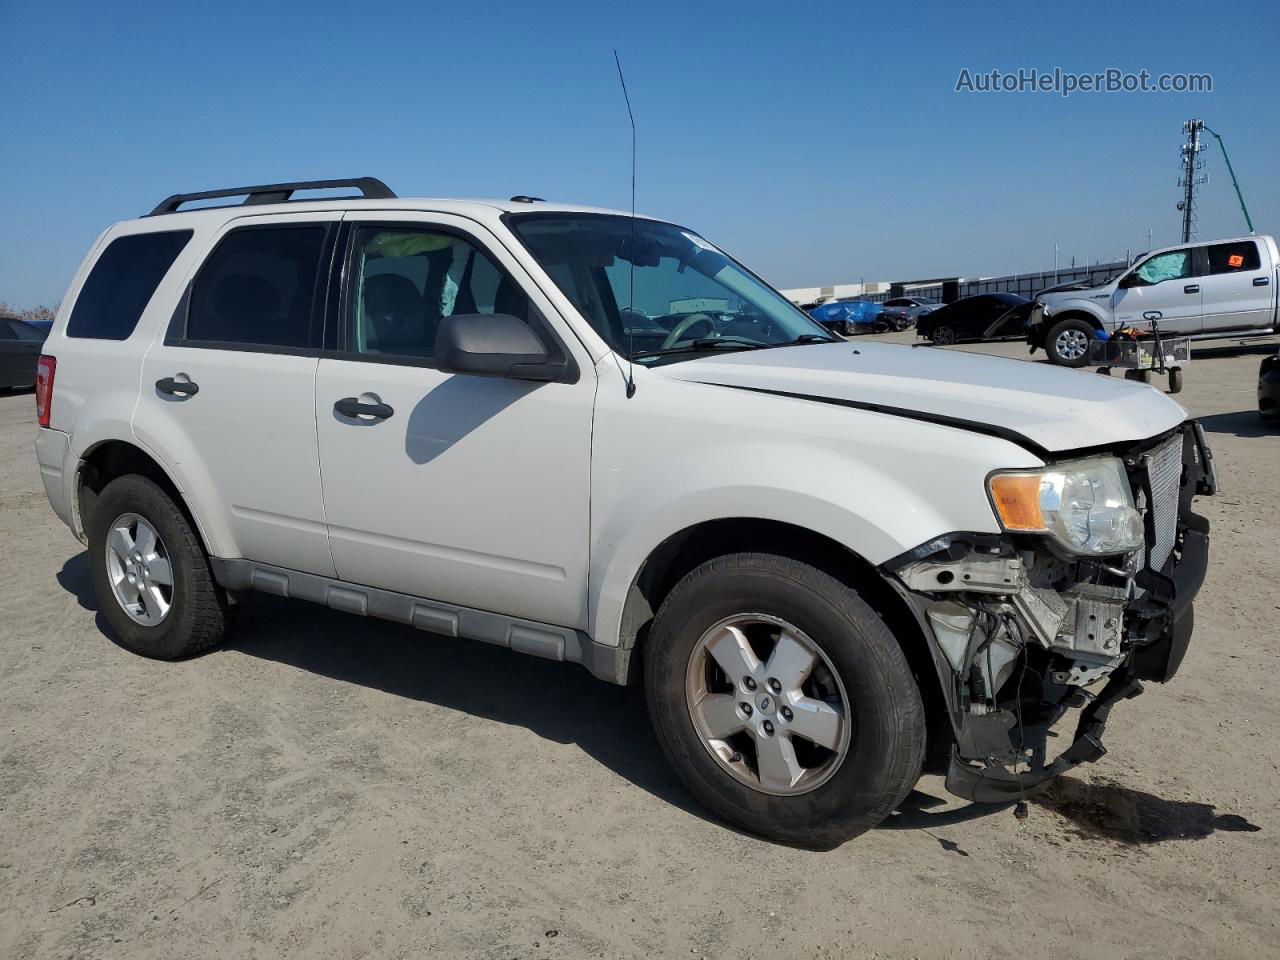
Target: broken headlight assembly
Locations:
point(1084, 506)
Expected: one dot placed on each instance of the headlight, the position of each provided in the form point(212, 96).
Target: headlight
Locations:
point(1085, 505)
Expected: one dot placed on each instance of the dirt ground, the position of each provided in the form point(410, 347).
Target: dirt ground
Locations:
point(330, 787)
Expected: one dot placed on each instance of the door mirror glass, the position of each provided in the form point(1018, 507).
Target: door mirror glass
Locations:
point(1128, 280)
point(493, 345)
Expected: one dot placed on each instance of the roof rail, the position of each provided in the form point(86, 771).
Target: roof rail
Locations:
point(371, 188)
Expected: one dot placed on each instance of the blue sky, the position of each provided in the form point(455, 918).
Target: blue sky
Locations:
point(820, 143)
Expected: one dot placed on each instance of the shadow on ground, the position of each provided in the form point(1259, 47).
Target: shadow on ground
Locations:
point(565, 704)
point(1243, 423)
point(1107, 809)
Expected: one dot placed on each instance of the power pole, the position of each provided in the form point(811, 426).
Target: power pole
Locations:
point(1191, 178)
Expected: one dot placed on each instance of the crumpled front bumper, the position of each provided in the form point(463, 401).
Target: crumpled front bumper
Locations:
point(997, 757)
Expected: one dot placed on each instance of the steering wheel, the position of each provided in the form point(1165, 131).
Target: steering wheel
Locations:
point(680, 329)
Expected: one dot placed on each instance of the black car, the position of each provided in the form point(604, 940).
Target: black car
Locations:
point(20, 345)
point(1269, 388)
point(988, 316)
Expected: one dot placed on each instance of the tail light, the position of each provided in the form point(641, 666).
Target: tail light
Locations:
point(45, 368)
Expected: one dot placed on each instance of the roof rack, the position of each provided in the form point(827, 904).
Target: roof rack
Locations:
point(371, 188)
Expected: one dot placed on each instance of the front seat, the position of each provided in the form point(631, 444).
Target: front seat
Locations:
point(394, 317)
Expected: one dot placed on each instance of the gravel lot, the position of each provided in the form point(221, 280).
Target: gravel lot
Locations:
point(328, 786)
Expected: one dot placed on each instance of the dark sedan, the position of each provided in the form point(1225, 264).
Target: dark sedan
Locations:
point(988, 316)
point(20, 345)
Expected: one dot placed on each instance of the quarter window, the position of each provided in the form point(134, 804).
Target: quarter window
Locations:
point(406, 280)
point(1233, 257)
point(259, 287)
point(122, 282)
point(1173, 265)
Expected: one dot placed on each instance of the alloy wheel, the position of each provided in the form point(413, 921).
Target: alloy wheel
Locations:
point(1071, 344)
point(768, 704)
point(139, 570)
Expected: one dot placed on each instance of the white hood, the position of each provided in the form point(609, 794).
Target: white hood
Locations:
point(1054, 408)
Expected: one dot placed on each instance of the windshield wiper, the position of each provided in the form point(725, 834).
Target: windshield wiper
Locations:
point(703, 344)
point(807, 338)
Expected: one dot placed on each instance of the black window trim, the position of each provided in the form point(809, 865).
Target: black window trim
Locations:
point(176, 335)
point(340, 292)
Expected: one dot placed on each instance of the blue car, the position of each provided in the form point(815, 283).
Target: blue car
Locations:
point(848, 316)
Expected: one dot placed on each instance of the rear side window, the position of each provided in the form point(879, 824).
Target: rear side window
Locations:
point(259, 288)
point(121, 284)
point(1233, 257)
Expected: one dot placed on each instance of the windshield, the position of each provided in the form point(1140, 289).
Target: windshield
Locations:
point(658, 292)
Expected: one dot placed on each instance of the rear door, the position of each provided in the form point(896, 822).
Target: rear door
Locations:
point(228, 397)
point(1238, 286)
point(466, 489)
point(1166, 283)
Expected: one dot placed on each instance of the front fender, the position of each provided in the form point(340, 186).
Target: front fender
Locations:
point(876, 483)
point(1098, 310)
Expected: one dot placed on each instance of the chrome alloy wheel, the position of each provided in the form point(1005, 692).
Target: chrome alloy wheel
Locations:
point(1071, 344)
point(139, 570)
point(768, 704)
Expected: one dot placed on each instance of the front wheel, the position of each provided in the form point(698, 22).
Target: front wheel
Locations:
point(943, 336)
point(1068, 343)
point(151, 574)
point(783, 701)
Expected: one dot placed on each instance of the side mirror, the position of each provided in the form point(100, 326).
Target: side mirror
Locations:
point(493, 345)
point(1129, 280)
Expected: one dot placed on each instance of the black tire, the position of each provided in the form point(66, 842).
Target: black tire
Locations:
point(1051, 346)
point(943, 335)
point(1175, 380)
point(846, 329)
point(886, 751)
point(199, 615)
point(1139, 376)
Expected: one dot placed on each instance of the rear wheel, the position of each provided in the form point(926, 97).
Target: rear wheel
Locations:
point(943, 335)
point(151, 573)
point(783, 701)
point(1068, 343)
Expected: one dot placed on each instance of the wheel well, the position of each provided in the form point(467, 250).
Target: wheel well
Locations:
point(117, 458)
point(1088, 318)
point(678, 555)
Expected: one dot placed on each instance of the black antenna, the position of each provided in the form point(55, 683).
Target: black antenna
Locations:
point(631, 294)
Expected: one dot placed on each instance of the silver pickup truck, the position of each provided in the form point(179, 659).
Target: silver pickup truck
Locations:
point(1214, 289)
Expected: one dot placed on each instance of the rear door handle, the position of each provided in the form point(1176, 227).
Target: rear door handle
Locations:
point(351, 407)
point(1191, 288)
point(182, 389)
point(1261, 281)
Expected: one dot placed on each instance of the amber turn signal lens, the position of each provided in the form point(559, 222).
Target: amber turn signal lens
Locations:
point(1017, 500)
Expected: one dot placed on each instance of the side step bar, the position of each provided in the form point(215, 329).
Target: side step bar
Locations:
point(523, 636)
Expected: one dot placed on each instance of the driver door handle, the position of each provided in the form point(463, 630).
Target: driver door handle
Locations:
point(1191, 288)
point(351, 407)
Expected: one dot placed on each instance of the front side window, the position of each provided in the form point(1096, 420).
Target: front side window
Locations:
point(1233, 257)
point(1173, 265)
point(655, 291)
point(259, 288)
point(405, 280)
point(121, 284)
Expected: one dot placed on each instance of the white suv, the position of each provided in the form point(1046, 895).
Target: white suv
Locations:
point(599, 439)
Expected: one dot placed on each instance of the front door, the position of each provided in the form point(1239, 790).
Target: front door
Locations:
point(1164, 283)
point(465, 489)
point(228, 398)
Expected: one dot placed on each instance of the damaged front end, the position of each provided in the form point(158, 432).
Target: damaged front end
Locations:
point(1022, 627)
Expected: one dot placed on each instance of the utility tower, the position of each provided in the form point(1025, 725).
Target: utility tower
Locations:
point(1191, 176)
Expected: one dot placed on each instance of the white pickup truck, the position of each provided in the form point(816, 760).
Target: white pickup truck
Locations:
point(1215, 289)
